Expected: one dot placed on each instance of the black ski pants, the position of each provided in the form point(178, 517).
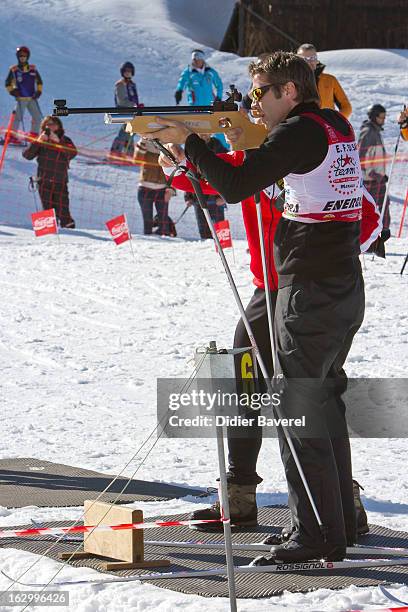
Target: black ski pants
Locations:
point(315, 322)
point(147, 197)
point(55, 195)
point(243, 449)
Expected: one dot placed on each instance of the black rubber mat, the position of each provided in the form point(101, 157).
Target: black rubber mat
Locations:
point(32, 482)
point(248, 586)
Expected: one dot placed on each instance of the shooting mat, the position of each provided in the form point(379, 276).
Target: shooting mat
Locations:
point(248, 586)
point(33, 482)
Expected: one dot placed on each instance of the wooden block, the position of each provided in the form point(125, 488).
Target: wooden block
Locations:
point(120, 565)
point(75, 555)
point(126, 545)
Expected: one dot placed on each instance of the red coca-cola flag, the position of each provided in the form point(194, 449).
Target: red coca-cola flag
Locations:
point(224, 234)
point(118, 229)
point(44, 222)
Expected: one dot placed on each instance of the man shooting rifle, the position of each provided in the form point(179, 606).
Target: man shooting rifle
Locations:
point(320, 301)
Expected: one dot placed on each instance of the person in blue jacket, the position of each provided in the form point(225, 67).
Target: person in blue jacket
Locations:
point(203, 83)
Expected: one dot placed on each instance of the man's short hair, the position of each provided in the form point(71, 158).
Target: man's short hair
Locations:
point(282, 67)
point(306, 47)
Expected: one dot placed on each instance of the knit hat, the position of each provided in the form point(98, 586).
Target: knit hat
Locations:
point(197, 54)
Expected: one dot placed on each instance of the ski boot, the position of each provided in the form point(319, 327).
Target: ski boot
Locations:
point(275, 539)
point(243, 509)
point(361, 515)
point(294, 551)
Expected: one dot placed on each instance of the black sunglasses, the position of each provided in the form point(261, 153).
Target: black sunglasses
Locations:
point(257, 93)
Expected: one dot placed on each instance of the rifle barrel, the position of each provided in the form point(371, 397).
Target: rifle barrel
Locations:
point(63, 111)
point(126, 117)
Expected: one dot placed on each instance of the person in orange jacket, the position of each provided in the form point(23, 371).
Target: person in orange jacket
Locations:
point(330, 91)
point(403, 122)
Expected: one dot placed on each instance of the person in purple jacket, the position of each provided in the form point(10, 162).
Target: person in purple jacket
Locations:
point(24, 83)
point(125, 95)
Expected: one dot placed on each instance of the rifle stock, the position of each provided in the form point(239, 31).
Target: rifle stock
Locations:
point(202, 123)
point(212, 119)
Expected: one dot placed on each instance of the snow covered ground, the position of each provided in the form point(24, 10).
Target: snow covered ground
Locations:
point(87, 329)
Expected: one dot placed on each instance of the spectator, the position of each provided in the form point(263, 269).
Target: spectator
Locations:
point(373, 158)
point(330, 91)
point(125, 95)
point(153, 189)
point(202, 82)
point(24, 83)
point(216, 205)
point(53, 151)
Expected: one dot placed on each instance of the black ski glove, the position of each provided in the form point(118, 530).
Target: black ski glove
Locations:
point(378, 246)
point(14, 93)
point(178, 95)
point(36, 95)
point(189, 198)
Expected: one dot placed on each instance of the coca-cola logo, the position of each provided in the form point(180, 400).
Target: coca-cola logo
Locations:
point(119, 229)
point(223, 234)
point(44, 223)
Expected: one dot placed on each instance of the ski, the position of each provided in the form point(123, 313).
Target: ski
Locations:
point(256, 547)
point(392, 597)
point(351, 550)
point(399, 609)
point(319, 566)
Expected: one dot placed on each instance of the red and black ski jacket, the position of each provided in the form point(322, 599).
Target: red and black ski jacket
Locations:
point(53, 159)
point(296, 145)
point(369, 228)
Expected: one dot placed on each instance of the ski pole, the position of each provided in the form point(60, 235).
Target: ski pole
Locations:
point(269, 306)
point(226, 519)
point(203, 204)
point(404, 264)
point(387, 189)
point(200, 196)
point(182, 215)
point(404, 210)
point(224, 506)
point(32, 187)
point(7, 138)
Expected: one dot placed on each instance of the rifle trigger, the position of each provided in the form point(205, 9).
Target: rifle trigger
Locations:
point(224, 122)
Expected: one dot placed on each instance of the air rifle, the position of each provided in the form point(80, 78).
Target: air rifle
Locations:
point(212, 119)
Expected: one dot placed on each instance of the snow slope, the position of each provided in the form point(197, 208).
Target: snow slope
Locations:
point(87, 329)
